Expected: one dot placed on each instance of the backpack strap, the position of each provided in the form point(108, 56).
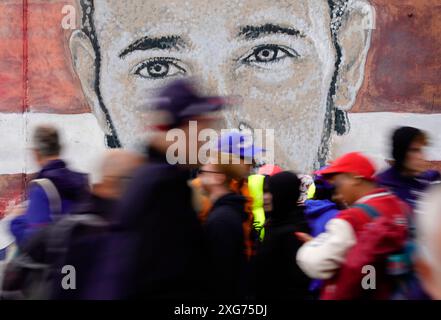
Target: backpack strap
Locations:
point(55, 203)
point(367, 209)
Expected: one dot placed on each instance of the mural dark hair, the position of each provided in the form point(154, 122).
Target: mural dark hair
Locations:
point(335, 120)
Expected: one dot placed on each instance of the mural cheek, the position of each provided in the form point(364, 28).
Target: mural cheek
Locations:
point(295, 111)
point(123, 101)
point(264, 98)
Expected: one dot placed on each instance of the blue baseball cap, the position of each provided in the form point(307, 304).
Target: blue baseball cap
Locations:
point(238, 144)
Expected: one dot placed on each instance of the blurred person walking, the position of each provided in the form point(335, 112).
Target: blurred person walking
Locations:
point(116, 170)
point(278, 275)
point(91, 225)
point(321, 208)
point(224, 232)
point(428, 222)
point(371, 230)
point(407, 177)
point(318, 211)
point(158, 249)
point(239, 150)
point(74, 240)
point(55, 190)
point(255, 186)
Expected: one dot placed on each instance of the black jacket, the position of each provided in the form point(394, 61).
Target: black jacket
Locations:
point(157, 249)
point(85, 248)
point(225, 241)
point(278, 275)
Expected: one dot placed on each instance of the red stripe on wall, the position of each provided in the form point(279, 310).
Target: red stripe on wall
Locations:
point(11, 190)
point(11, 60)
point(36, 72)
point(52, 83)
point(25, 103)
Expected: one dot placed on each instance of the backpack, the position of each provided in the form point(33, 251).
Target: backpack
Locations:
point(399, 265)
point(32, 274)
point(381, 245)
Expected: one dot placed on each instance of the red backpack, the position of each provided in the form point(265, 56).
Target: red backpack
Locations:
point(379, 240)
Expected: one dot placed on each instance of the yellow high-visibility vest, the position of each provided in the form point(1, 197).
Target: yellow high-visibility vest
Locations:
point(255, 188)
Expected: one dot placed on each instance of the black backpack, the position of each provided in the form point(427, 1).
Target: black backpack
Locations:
point(33, 273)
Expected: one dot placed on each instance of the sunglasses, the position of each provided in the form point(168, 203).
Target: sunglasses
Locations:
point(200, 171)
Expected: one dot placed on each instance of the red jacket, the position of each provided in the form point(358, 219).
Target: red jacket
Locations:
point(323, 257)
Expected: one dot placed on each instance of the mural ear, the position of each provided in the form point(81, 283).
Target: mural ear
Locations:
point(354, 38)
point(84, 62)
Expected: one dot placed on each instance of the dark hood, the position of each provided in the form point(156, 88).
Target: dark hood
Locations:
point(285, 190)
point(401, 141)
point(233, 200)
point(70, 184)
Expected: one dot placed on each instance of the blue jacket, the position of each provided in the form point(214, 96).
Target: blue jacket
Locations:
point(318, 213)
point(72, 187)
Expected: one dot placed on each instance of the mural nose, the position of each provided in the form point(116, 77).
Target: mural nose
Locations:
point(213, 84)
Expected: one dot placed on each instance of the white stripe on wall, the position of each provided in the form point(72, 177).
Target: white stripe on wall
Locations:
point(370, 133)
point(82, 138)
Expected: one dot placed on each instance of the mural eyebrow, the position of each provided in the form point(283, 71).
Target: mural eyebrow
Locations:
point(147, 43)
point(254, 32)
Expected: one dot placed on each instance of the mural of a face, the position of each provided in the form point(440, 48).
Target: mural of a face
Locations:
point(282, 57)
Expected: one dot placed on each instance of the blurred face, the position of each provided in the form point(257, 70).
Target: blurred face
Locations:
point(416, 159)
point(117, 171)
point(267, 199)
point(345, 186)
point(277, 55)
point(113, 187)
point(210, 177)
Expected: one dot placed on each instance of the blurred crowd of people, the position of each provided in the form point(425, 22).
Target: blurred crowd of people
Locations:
point(226, 229)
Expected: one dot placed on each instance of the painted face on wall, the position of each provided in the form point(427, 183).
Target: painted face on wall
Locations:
point(278, 56)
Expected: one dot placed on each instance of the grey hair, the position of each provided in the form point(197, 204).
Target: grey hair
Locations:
point(46, 141)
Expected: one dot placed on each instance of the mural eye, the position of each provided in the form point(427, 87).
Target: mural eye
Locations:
point(269, 53)
point(159, 68)
point(266, 54)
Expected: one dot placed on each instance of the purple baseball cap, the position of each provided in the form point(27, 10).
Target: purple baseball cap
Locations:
point(182, 102)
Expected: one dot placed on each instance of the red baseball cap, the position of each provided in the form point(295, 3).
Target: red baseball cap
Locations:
point(355, 163)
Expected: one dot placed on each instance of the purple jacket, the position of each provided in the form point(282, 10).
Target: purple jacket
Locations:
point(72, 187)
point(407, 189)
